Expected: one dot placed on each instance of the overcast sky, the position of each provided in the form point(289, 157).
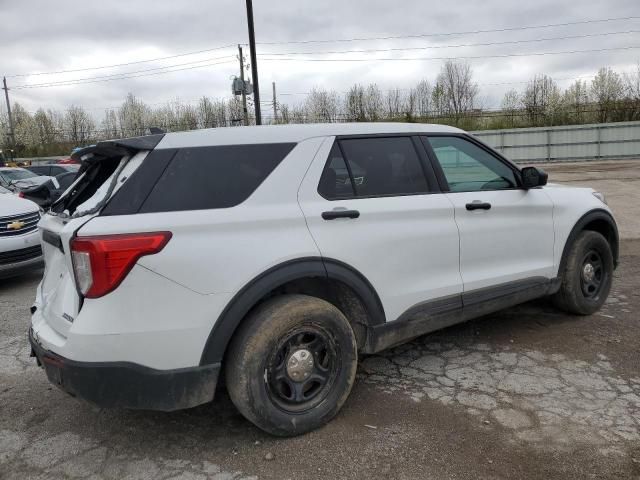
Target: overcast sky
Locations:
point(45, 36)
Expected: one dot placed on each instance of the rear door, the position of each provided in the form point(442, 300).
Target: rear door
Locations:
point(506, 232)
point(57, 299)
point(373, 203)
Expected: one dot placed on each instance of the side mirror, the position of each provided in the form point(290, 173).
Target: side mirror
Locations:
point(533, 177)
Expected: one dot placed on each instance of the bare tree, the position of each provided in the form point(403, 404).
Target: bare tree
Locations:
point(45, 130)
point(423, 95)
point(354, 104)
point(632, 93)
point(541, 100)
point(460, 91)
point(133, 117)
point(79, 126)
point(109, 124)
point(395, 104)
point(607, 91)
point(439, 100)
point(322, 105)
point(575, 101)
point(23, 128)
point(373, 103)
point(235, 112)
point(510, 107)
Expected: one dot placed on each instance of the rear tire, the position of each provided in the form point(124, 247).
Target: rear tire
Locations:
point(587, 275)
point(291, 365)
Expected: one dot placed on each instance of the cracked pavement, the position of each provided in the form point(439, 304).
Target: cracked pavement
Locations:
point(525, 393)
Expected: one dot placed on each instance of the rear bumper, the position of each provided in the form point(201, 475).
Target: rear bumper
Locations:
point(128, 385)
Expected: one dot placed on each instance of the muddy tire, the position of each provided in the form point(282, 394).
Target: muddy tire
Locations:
point(587, 275)
point(291, 365)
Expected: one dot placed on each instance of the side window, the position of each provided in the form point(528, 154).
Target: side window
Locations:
point(214, 177)
point(469, 168)
point(335, 182)
point(384, 166)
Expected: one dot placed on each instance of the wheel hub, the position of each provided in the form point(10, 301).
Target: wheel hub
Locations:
point(588, 272)
point(300, 365)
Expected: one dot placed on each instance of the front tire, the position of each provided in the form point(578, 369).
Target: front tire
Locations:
point(291, 365)
point(587, 276)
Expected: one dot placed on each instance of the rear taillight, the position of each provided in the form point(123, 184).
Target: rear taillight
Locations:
point(100, 263)
point(21, 194)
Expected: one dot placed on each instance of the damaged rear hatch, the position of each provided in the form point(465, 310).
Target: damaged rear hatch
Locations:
point(106, 166)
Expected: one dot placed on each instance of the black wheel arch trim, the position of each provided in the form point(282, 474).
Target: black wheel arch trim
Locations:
point(587, 218)
point(248, 296)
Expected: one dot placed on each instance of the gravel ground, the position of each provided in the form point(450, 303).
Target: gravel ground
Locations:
point(525, 393)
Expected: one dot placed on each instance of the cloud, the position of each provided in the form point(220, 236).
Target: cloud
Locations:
point(41, 36)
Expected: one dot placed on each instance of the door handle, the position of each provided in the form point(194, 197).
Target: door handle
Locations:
point(476, 205)
point(333, 214)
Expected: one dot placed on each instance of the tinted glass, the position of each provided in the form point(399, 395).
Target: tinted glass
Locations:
point(469, 168)
point(213, 177)
point(17, 174)
point(66, 179)
point(40, 170)
point(335, 181)
point(384, 166)
point(58, 170)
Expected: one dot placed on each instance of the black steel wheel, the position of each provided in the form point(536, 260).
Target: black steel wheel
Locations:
point(303, 368)
point(586, 276)
point(592, 274)
point(291, 364)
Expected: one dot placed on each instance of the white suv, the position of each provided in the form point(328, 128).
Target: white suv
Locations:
point(279, 254)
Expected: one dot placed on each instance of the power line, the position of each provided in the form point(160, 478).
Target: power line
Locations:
point(449, 46)
point(523, 82)
point(82, 80)
point(121, 64)
point(444, 34)
point(467, 57)
point(78, 82)
point(222, 47)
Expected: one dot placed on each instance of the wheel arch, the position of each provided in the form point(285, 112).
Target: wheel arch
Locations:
point(597, 220)
point(332, 280)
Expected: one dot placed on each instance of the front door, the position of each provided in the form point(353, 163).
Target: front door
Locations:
point(506, 232)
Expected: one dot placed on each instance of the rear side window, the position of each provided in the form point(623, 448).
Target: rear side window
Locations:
point(214, 177)
point(335, 182)
point(380, 166)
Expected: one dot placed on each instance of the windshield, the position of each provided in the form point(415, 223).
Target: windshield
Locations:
point(17, 174)
point(4, 190)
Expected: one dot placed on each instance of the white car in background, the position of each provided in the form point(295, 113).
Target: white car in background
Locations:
point(20, 249)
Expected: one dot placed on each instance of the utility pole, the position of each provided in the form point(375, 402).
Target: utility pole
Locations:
point(254, 62)
point(275, 108)
point(244, 90)
point(6, 96)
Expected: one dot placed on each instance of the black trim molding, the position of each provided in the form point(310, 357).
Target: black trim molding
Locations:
point(128, 385)
point(589, 217)
point(261, 286)
point(436, 314)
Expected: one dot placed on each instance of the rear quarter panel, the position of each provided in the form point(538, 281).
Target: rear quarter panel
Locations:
point(221, 250)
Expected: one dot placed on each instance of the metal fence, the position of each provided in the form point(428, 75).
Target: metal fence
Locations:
point(566, 143)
